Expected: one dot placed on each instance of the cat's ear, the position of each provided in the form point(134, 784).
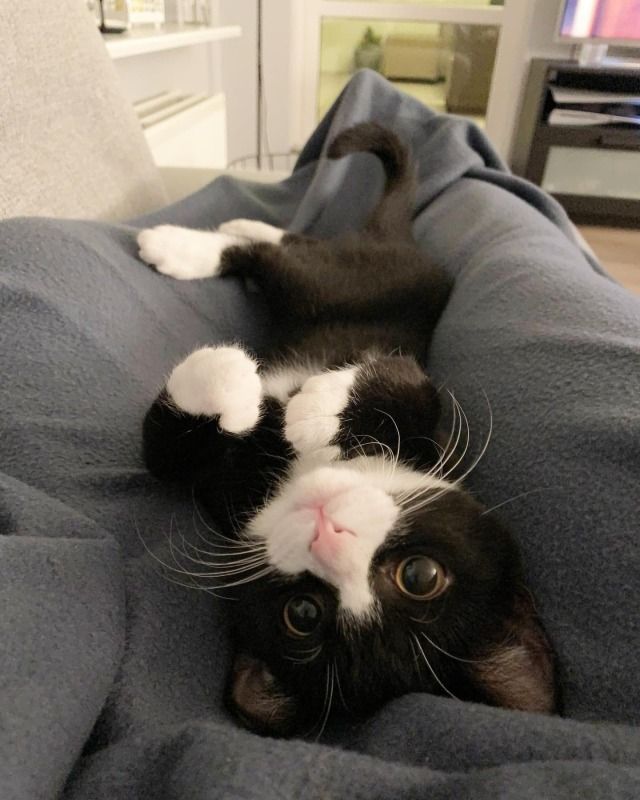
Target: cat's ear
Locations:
point(258, 699)
point(519, 672)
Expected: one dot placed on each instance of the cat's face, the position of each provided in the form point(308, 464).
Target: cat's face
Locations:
point(383, 580)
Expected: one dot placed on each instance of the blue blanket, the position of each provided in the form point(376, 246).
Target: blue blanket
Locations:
point(111, 677)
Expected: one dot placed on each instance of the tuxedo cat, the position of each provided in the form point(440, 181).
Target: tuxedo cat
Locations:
point(360, 567)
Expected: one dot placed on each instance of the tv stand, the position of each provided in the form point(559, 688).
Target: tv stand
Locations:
point(595, 55)
point(593, 170)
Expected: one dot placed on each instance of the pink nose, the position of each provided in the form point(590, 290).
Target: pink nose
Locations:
point(328, 539)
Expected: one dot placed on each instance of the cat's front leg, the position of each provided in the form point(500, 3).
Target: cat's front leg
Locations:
point(211, 397)
point(382, 405)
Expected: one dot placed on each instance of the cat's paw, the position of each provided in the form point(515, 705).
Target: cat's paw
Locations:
point(252, 230)
point(184, 253)
point(219, 381)
point(312, 417)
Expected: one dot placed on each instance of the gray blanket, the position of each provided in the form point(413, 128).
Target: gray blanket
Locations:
point(111, 677)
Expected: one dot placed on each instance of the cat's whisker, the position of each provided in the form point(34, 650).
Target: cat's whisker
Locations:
point(225, 568)
point(226, 565)
point(173, 549)
point(450, 446)
point(217, 534)
point(416, 658)
point(486, 444)
point(438, 468)
point(226, 573)
point(434, 469)
point(194, 553)
point(239, 555)
point(465, 449)
point(450, 655)
point(315, 652)
point(426, 495)
point(339, 687)
point(395, 425)
point(423, 621)
point(324, 703)
point(429, 496)
point(220, 547)
point(192, 584)
point(430, 668)
point(223, 559)
point(261, 574)
point(385, 448)
point(180, 569)
point(519, 497)
point(309, 650)
point(328, 701)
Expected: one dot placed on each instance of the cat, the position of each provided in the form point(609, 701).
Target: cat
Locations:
point(361, 568)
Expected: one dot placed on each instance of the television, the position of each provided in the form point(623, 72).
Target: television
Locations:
point(600, 22)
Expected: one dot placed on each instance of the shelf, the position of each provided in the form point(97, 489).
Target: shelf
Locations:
point(151, 39)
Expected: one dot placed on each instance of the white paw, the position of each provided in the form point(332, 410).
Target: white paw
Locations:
point(221, 381)
point(252, 230)
point(183, 253)
point(312, 418)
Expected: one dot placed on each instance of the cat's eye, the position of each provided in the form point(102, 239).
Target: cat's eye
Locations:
point(302, 615)
point(420, 578)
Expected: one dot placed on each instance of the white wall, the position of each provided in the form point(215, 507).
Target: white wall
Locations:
point(239, 61)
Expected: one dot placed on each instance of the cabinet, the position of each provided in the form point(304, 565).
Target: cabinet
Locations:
point(592, 170)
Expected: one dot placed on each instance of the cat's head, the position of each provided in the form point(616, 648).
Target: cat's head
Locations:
point(382, 580)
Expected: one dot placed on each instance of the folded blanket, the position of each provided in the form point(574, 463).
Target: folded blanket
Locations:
point(111, 677)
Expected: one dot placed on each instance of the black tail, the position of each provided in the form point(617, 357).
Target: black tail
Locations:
point(392, 215)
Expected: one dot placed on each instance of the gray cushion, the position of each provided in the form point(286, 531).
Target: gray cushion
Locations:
point(94, 637)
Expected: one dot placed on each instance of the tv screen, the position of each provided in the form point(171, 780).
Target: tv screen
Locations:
point(601, 20)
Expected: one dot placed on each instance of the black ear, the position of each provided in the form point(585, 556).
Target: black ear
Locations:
point(257, 698)
point(519, 672)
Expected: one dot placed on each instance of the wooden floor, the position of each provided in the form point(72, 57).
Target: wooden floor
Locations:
point(619, 251)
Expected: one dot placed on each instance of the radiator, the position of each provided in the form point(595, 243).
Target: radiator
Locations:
point(185, 130)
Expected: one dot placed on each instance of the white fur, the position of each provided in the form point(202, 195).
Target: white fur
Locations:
point(184, 253)
point(359, 496)
point(287, 524)
point(312, 417)
point(282, 381)
point(219, 381)
point(252, 230)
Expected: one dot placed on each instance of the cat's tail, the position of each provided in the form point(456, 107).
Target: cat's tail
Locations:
point(392, 216)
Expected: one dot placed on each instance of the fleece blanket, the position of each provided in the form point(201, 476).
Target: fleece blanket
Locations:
point(111, 676)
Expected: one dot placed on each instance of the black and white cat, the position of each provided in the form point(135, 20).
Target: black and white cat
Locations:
point(361, 567)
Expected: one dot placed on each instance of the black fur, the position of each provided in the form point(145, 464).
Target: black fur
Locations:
point(370, 299)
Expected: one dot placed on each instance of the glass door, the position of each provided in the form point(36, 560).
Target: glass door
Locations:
point(440, 51)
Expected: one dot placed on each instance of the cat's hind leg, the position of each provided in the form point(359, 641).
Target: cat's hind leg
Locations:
point(252, 230)
point(188, 254)
point(184, 253)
